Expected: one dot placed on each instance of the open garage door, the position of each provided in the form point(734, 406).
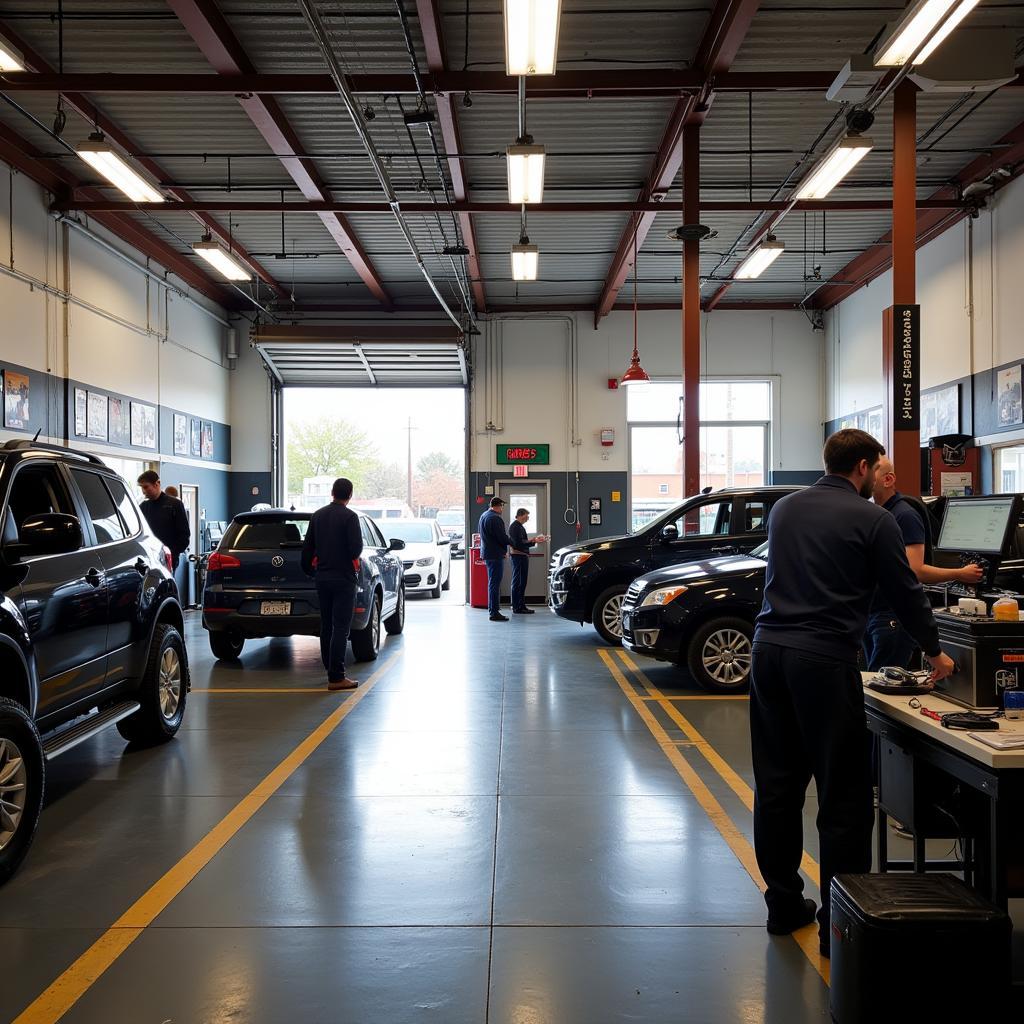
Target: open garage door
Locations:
point(358, 356)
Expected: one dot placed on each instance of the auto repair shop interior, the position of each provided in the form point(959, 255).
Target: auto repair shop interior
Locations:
point(633, 263)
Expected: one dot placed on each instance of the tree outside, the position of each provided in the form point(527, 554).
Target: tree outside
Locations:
point(328, 447)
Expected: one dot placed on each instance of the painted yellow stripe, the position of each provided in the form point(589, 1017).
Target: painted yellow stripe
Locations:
point(267, 689)
point(807, 938)
point(807, 864)
point(51, 1006)
point(700, 696)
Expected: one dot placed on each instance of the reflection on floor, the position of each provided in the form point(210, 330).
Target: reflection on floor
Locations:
point(492, 834)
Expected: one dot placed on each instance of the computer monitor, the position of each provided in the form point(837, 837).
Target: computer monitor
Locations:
point(981, 524)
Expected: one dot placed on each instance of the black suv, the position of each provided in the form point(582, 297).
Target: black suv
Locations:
point(255, 586)
point(90, 624)
point(587, 581)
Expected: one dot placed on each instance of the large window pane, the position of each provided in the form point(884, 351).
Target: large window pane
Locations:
point(1009, 474)
point(657, 472)
point(732, 456)
point(719, 400)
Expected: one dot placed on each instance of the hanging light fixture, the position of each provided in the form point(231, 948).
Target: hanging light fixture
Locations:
point(11, 58)
point(759, 259)
point(531, 36)
point(931, 20)
point(221, 260)
point(636, 374)
point(525, 260)
point(834, 166)
point(101, 156)
point(525, 171)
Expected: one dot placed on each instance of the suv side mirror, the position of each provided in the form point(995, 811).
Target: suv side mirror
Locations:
point(397, 544)
point(669, 533)
point(50, 534)
point(444, 540)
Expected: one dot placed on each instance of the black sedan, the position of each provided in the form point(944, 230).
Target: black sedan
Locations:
point(255, 586)
point(699, 615)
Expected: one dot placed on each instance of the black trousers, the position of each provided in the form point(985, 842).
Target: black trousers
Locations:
point(337, 604)
point(807, 721)
point(520, 571)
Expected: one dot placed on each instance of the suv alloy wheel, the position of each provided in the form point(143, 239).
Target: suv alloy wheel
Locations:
point(22, 780)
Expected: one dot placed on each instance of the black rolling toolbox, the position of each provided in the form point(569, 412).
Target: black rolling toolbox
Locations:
point(915, 948)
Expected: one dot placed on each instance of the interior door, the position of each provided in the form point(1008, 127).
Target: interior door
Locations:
point(190, 499)
point(533, 496)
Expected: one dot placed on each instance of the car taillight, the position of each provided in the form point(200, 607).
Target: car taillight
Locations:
point(217, 561)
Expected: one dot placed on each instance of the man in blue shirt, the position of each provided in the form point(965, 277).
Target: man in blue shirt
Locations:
point(886, 642)
point(494, 545)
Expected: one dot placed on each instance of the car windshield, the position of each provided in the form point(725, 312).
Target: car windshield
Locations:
point(260, 534)
point(761, 551)
point(450, 518)
point(411, 533)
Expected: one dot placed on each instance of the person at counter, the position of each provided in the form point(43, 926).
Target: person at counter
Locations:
point(828, 551)
point(520, 557)
point(886, 642)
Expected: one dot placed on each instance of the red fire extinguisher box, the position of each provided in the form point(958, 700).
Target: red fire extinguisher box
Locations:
point(477, 576)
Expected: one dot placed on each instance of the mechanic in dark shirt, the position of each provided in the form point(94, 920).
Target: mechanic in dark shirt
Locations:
point(330, 552)
point(166, 516)
point(520, 556)
point(886, 642)
point(494, 545)
point(828, 549)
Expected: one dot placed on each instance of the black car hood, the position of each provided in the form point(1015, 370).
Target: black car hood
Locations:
point(599, 544)
point(687, 572)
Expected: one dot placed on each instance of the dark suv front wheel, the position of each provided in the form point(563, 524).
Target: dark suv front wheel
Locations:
point(366, 641)
point(162, 692)
point(22, 778)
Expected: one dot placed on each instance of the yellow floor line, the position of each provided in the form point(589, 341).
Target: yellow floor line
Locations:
point(808, 864)
point(700, 696)
point(55, 1002)
point(806, 938)
point(265, 689)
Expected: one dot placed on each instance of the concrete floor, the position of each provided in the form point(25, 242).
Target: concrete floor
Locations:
point(492, 834)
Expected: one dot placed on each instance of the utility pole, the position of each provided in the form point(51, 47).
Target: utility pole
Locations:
point(408, 469)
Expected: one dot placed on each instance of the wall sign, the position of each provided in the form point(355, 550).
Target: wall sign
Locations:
point(906, 375)
point(520, 471)
point(524, 454)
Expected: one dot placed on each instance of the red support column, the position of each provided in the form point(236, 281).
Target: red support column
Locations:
point(902, 436)
point(691, 313)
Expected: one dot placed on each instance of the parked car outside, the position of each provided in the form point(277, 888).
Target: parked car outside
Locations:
point(255, 586)
point(588, 581)
point(427, 558)
point(91, 625)
point(453, 522)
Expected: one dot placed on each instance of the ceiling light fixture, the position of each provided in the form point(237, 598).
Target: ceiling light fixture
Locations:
point(531, 36)
point(834, 166)
point(102, 157)
point(525, 260)
point(221, 260)
point(525, 172)
point(759, 259)
point(636, 374)
point(11, 58)
point(921, 30)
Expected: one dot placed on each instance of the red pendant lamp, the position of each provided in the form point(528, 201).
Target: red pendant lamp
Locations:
point(636, 374)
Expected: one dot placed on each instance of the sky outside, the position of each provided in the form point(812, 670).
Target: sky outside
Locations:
point(438, 417)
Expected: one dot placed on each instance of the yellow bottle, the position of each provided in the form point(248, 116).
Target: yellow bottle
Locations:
point(1005, 610)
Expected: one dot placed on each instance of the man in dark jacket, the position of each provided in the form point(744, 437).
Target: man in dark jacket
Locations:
point(494, 543)
point(166, 516)
point(520, 556)
point(330, 552)
point(828, 550)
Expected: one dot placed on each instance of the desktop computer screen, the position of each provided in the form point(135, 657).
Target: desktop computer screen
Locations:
point(976, 524)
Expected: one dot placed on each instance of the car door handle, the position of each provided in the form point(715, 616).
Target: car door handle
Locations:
point(141, 567)
point(94, 578)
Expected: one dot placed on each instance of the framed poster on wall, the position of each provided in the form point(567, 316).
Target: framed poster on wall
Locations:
point(180, 434)
point(16, 395)
point(143, 425)
point(196, 438)
point(81, 412)
point(1008, 396)
point(207, 440)
point(96, 419)
point(117, 421)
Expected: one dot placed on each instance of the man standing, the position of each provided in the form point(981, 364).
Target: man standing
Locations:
point(494, 543)
point(330, 551)
point(828, 550)
point(520, 555)
point(886, 641)
point(166, 516)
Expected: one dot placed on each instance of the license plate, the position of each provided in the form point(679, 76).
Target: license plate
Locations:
point(275, 608)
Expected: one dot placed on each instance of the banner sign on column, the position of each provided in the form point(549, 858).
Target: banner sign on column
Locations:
point(906, 370)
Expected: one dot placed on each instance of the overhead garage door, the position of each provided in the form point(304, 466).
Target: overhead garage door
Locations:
point(355, 356)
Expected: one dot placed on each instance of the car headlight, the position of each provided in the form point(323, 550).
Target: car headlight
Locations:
point(662, 596)
point(576, 559)
point(425, 561)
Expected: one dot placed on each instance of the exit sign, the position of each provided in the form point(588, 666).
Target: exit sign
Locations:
point(524, 454)
point(520, 471)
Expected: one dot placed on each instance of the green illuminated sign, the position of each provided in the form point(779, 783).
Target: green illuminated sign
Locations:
point(524, 454)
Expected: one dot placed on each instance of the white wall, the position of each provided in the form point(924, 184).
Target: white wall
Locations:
point(958, 337)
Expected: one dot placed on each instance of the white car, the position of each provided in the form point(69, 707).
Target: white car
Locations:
point(427, 557)
point(453, 525)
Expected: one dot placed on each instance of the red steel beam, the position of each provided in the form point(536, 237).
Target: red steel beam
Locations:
point(556, 307)
point(18, 153)
point(85, 107)
point(730, 20)
point(691, 312)
point(433, 41)
point(211, 32)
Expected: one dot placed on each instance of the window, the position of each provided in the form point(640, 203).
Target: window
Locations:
point(106, 522)
point(37, 490)
point(663, 488)
point(709, 519)
point(266, 534)
point(125, 505)
point(376, 537)
point(1009, 469)
point(755, 515)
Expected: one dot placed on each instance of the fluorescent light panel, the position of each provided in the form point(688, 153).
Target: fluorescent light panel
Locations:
point(531, 36)
point(525, 261)
point(914, 27)
point(759, 260)
point(221, 261)
point(525, 173)
point(11, 58)
point(835, 166)
point(102, 157)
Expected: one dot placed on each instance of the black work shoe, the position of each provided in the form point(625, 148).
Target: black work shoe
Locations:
point(523, 611)
point(786, 924)
point(499, 618)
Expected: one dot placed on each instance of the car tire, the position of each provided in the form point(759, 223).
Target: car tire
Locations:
point(22, 784)
point(366, 641)
point(395, 622)
point(447, 585)
point(606, 614)
point(226, 646)
point(436, 591)
point(719, 655)
point(162, 693)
